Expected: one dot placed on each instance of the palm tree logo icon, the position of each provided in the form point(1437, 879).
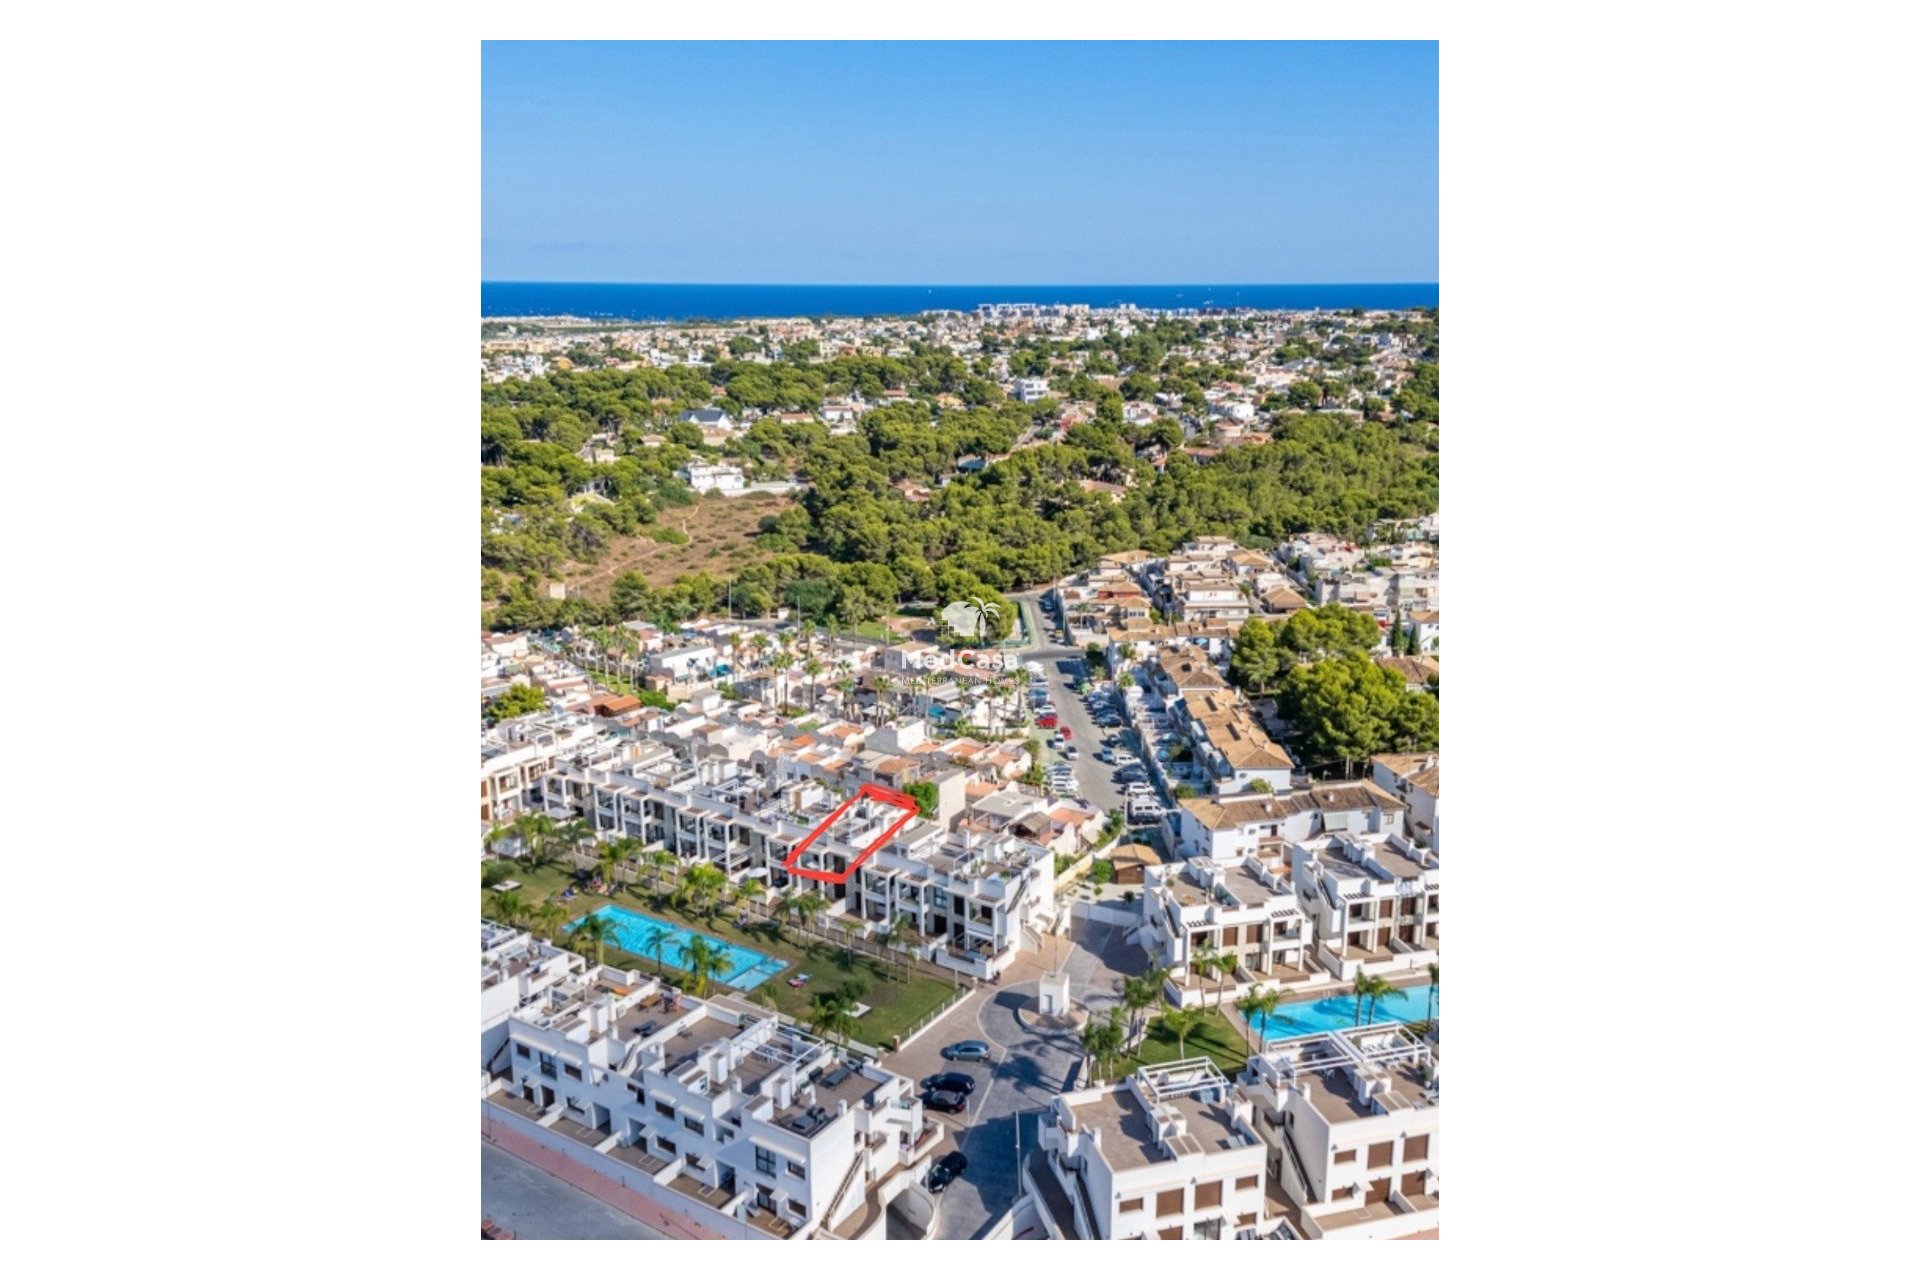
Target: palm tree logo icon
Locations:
point(971, 616)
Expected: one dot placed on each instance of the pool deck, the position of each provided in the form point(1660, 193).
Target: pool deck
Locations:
point(748, 970)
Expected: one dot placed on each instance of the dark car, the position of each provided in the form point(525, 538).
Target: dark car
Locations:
point(943, 1100)
point(951, 1081)
point(945, 1170)
point(967, 1051)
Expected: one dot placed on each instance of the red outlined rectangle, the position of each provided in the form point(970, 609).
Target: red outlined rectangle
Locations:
point(898, 800)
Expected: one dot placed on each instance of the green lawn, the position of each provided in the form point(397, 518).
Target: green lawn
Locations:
point(1214, 1038)
point(896, 1004)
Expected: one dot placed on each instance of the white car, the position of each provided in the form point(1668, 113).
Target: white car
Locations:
point(1139, 789)
point(1125, 758)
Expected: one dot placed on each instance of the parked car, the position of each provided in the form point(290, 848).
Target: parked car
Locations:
point(1048, 721)
point(1139, 789)
point(950, 1081)
point(943, 1100)
point(1056, 742)
point(967, 1051)
point(1073, 752)
point(945, 1170)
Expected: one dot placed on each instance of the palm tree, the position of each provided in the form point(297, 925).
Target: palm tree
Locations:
point(754, 889)
point(1382, 990)
point(1433, 988)
point(549, 918)
point(1100, 1039)
point(535, 832)
point(1205, 964)
point(1137, 995)
point(1256, 1005)
point(1181, 1022)
point(654, 943)
point(813, 669)
point(1369, 990)
point(623, 850)
point(907, 938)
point(571, 836)
point(807, 906)
point(606, 858)
point(508, 907)
point(593, 931)
point(702, 960)
point(704, 884)
point(833, 1015)
point(663, 859)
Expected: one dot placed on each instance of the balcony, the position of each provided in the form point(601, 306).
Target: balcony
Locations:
point(771, 1223)
point(569, 1128)
point(640, 1158)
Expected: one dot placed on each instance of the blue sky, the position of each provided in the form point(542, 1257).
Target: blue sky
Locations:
point(909, 163)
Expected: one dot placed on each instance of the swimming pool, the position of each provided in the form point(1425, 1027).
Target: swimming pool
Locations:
point(1335, 1013)
point(633, 931)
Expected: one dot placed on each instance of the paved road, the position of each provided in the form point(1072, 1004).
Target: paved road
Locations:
point(1030, 1066)
point(535, 1205)
point(1062, 663)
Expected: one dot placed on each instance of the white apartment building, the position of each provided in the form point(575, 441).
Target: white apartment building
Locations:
point(516, 754)
point(1415, 778)
point(743, 802)
point(1169, 1153)
point(1229, 743)
point(1352, 1119)
point(515, 967)
point(1028, 390)
point(1374, 900)
point(722, 1115)
point(1231, 828)
point(1247, 910)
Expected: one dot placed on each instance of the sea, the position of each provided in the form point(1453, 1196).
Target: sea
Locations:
point(757, 301)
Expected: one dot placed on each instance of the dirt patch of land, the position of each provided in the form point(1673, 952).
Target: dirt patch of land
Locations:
point(722, 532)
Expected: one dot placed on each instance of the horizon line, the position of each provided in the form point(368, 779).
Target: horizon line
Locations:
point(992, 284)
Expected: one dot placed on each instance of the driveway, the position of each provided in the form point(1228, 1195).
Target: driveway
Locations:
point(535, 1205)
point(1030, 1066)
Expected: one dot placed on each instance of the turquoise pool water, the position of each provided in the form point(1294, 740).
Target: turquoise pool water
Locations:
point(1335, 1013)
point(742, 969)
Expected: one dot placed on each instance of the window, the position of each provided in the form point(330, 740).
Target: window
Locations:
point(796, 1170)
point(1168, 1203)
point(636, 1091)
point(1379, 1155)
point(573, 1072)
point(664, 1109)
point(1344, 1157)
point(726, 1135)
point(1415, 1148)
point(694, 1126)
point(764, 1161)
point(1247, 1183)
point(1170, 1233)
point(666, 1148)
point(1206, 1196)
point(1344, 1193)
point(1134, 1205)
point(800, 1210)
point(547, 1067)
point(523, 1051)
